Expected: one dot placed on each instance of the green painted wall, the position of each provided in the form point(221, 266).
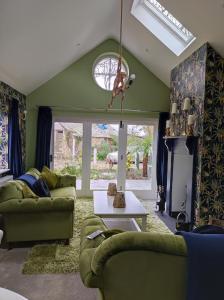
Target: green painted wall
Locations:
point(74, 88)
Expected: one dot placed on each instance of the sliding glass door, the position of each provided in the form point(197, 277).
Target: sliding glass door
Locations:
point(104, 155)
point(139, 157)
point(68, 143)
point(102, 152)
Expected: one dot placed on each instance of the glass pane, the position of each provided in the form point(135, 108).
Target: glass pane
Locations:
point(105, 72)
point(68, 139)
point(104, 156)
point(104, 82)
point(163, 12)
point(139, 157)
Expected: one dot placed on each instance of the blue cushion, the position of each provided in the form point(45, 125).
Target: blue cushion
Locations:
point(38, 186)
point(209, 229)
point(28, 179)
point(41, 188)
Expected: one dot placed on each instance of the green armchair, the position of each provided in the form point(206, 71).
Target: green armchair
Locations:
point(133, 265)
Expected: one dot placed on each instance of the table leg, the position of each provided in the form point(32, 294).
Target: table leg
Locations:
point(144, 221)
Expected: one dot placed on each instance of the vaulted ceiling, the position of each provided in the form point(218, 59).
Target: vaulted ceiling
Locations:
point(39, 38)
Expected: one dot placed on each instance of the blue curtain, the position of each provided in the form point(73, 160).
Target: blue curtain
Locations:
point(14, 141)
point(162, 156)
point(44, 125)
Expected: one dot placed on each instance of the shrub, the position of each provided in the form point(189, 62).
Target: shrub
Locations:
point(103, 150)
point(71, 170)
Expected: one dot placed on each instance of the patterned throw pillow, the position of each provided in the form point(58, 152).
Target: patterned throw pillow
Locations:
point(27, 192)
point(49, 177)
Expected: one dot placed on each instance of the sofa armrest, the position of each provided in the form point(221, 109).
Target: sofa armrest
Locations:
point(66, 180)
point(28, 205)
point(88, 277)
point(131, 241)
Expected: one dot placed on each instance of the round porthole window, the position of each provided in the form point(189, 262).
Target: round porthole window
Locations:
point(105, 70)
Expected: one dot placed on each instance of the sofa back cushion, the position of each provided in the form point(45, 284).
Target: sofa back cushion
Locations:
point(49, 177)
point(41, 188)
point(27, 192)
point(34, 172)
point(38, 186)
point(10, 191)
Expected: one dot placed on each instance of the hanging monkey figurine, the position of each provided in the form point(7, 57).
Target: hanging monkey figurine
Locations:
point(119, 85)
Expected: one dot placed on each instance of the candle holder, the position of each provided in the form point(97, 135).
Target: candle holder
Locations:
point(190, 125)
point(186, 109)
point(173, 122)
point(190, 129)
point(185, 116)
point(168, 127)
point(168, 131)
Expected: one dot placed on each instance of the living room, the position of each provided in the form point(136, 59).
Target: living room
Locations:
point(111, 149)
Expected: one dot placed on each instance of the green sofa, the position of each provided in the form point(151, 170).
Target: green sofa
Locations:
point(133, 265)
point(44, 218)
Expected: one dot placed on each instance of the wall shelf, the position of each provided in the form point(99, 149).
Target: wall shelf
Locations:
point(190, 142)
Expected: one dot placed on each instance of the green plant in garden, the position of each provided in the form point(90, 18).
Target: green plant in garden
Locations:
point(114, 143)
point(103, 150)
point(71, 170)
point(141, 143)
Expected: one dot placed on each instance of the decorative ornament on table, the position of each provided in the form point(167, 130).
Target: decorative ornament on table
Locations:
point(112, 189)
point(119, 200)
point(121, 81)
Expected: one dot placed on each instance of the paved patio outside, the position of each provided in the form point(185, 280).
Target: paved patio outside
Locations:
point(131, 184)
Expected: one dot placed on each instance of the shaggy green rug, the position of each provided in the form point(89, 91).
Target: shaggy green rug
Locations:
point(58, 258)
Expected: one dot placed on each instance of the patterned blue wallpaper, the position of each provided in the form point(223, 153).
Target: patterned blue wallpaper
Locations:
point(212, 154)
point(201, 78)
point(6, 94)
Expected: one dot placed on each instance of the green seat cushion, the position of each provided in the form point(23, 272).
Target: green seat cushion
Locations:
point(91, 224)
point(37, 205)
point(10, 190)
point(50, 177)
point(64, 192)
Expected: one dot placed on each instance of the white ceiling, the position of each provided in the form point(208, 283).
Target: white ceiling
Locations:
point(39, 38)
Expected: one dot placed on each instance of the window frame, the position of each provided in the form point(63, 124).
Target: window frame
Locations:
point(159, 25)
point(109, 55)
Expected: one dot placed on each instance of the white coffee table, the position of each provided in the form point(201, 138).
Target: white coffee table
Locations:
point(103, 207)
point(9, 295)
point(1, 236)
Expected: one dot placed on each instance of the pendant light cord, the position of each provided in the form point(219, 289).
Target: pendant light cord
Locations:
point(121, 24)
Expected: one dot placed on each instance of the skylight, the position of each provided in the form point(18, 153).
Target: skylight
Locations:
point(168, 29)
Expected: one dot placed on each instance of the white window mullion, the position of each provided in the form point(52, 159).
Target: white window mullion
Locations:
point(122, 156)
point(86, 158)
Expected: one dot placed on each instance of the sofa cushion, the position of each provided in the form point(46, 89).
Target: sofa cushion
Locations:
point(64, 192)
point(27, 192)
point(50, 177)
point(37, 205)
point(66, 180)
point(91, 224)
point(41, 188)
point(34, 172)
point(10, 191)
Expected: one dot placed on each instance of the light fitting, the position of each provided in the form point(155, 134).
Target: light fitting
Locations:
point(121, 81)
